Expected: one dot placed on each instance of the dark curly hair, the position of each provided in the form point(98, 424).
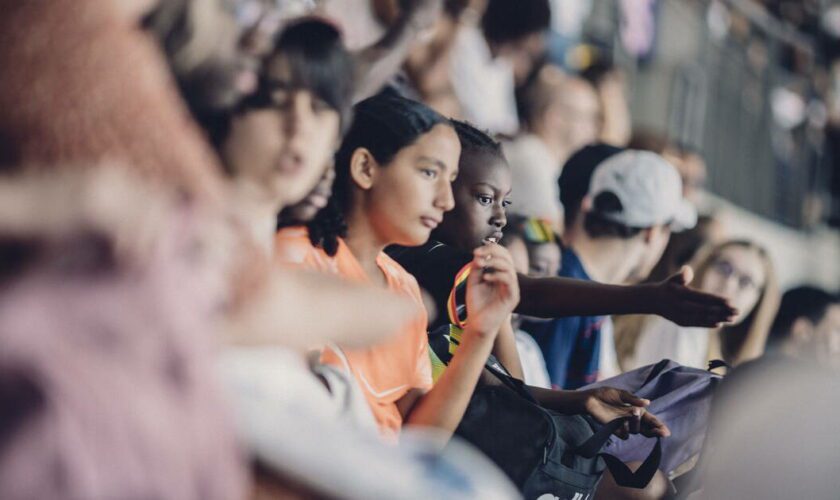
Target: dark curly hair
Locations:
point(383, 124)
point(474, 140)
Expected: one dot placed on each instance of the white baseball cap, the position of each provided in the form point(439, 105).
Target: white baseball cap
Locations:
point(649, 189)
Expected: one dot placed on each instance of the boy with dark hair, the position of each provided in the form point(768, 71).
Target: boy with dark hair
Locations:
point(574, 183)
point(634, 201)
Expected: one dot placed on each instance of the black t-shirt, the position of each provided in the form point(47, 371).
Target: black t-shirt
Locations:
point(435, 266)
point(438, 269)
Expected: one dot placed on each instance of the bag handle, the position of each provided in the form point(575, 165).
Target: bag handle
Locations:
point(718, 363)
point(657, 369)
point(621, 473)
point(591, 448)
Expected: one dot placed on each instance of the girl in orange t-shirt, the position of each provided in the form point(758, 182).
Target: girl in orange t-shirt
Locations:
point(393, 184)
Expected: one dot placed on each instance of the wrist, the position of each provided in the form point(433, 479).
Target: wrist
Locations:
point(581, 401)
point(651, 299)
point(479, 331)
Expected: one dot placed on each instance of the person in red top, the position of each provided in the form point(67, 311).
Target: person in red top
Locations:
point(393, 185)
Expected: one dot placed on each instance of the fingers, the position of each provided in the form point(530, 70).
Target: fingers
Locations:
point(682, 277)
point(492, 254)
point(694, 308)
point(693, 315)
point(496, 265)
point(623, 432)
point(652, 426)
point(697, 297)
point(635, 421)
point(631, 399)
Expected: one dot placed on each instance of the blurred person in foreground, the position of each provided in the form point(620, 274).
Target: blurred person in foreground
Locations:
point(772, 435)
point(108, 306)
point(274, 142)
point(802, 361)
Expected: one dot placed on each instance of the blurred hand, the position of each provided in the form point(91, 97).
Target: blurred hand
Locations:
point(605, 404)
point(492, 289)
point(684, 306)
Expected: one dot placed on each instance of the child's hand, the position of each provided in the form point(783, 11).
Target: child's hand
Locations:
point(606, 404)
point(492, 289)
point(687, 307)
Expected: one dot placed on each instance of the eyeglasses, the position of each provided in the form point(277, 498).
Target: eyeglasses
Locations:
point(727, 270)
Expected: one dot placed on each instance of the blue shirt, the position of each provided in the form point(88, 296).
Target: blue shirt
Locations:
point(571, 345)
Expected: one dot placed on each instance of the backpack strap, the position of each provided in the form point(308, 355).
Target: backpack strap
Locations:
point(495, 367)
point(621, 473)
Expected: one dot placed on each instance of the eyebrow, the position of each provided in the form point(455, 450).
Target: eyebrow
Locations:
point(434, 161)
point(492, 187)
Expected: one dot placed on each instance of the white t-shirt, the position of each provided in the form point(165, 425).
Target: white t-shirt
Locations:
point(484, 85)
point(535, 190)
point(533, 363)
point(661, 339)
point(607, 357)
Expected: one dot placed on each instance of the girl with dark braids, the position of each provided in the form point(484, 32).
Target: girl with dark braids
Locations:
point(393, 175)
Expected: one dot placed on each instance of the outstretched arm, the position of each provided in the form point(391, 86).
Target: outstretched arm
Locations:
point(288, 310)
point(671, 299)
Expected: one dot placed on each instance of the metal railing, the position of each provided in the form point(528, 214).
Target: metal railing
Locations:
point(719, 93)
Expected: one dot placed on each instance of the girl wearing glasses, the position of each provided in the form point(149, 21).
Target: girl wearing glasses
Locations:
point(741, 272)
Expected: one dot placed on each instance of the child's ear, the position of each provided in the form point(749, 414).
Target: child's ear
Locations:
point(363, 168)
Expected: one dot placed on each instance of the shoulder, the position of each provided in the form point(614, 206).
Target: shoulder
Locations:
point(292, 246)
point(398, 276)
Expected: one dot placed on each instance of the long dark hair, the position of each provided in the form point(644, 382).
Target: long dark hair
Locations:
point(383, 124)
point(317, 60)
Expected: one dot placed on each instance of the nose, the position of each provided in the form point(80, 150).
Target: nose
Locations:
point(444, 198)
point(731, 286)
point(297, 113)
point(498, 218)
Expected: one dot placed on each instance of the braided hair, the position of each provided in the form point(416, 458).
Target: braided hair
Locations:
point(475, 142)
point(383, 124)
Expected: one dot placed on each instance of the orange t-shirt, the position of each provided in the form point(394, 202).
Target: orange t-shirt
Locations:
point(387, 371)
